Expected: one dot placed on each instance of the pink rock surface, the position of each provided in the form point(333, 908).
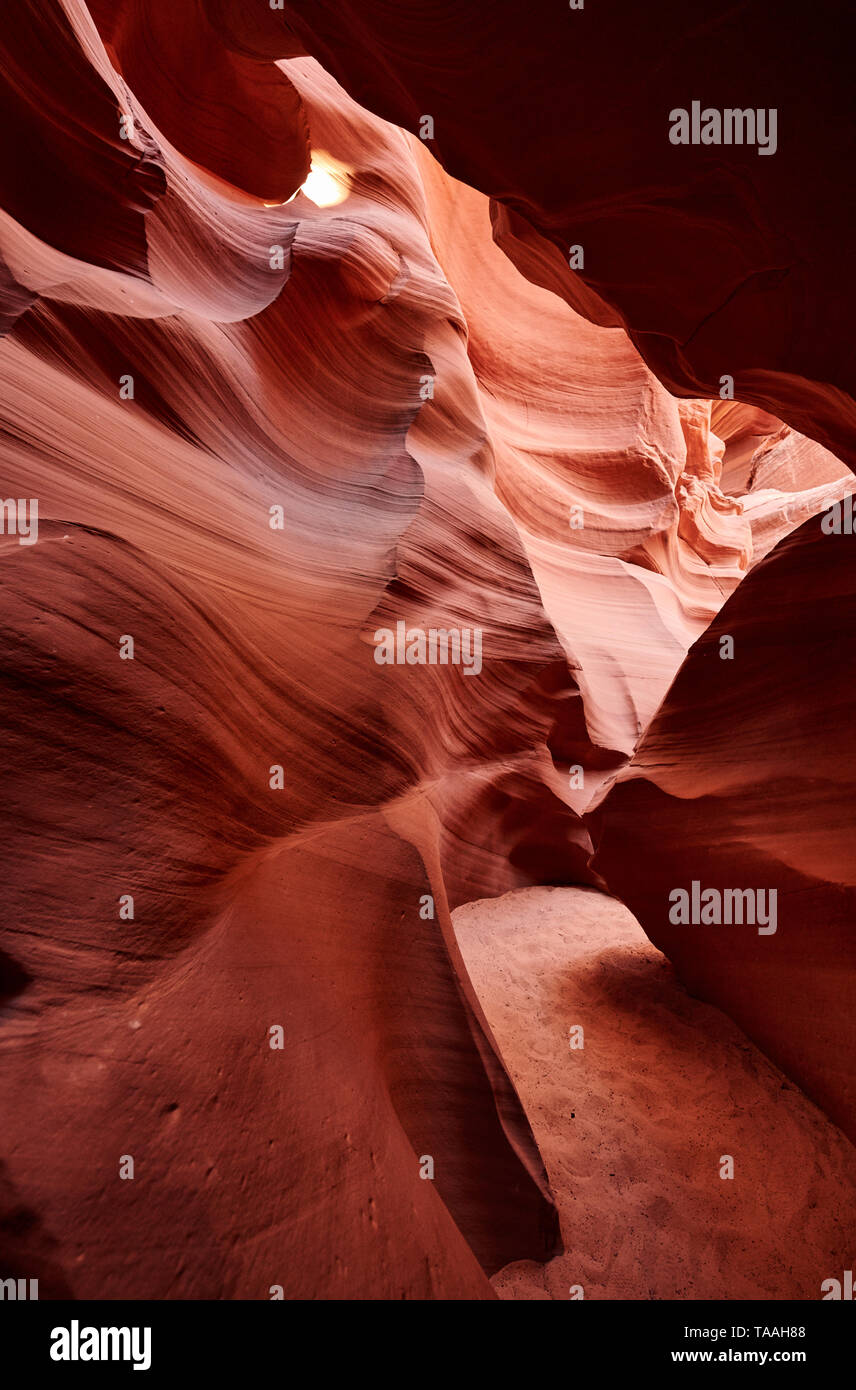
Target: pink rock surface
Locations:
point(261, 426)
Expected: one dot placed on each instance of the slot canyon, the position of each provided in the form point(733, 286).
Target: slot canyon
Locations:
point(427, 557)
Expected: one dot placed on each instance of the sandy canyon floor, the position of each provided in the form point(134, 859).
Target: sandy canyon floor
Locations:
point(634, 1126)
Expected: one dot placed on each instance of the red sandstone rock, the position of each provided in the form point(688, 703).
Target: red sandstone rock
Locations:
point(426, 421)
point(744, 781)
point(717, 261)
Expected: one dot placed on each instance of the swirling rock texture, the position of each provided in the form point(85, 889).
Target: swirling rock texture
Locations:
point(747, 777)
point(278, 382)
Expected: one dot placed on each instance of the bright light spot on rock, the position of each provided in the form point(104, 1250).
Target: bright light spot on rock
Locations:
point(328, 183)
